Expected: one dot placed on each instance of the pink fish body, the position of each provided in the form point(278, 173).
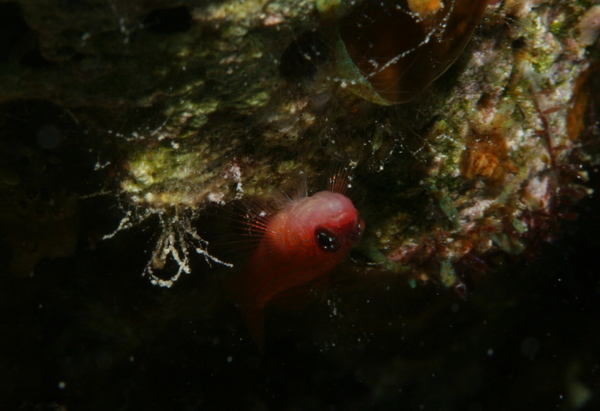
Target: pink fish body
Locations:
point(301, 243)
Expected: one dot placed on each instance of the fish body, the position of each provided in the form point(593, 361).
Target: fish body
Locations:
point(299, 244)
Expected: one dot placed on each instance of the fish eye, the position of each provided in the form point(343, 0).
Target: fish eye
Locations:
point(327, 241)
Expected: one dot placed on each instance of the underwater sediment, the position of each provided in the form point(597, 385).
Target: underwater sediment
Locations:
point(168, 108)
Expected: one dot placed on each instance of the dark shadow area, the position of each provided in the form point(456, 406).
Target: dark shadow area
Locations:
point(302, 57)
point(18, 42)
point(169, 21)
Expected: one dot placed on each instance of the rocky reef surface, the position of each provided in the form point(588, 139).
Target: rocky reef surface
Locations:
point(472, 142)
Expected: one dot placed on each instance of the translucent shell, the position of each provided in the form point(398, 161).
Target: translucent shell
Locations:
point(390, 51)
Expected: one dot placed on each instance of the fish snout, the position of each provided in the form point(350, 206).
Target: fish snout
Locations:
point(356, 231)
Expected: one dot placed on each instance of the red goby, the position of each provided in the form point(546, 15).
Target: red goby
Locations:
point(299, 244)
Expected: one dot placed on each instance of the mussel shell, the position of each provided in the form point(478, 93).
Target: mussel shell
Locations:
point(397, 48)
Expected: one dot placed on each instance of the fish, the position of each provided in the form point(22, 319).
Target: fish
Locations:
point(299, 243)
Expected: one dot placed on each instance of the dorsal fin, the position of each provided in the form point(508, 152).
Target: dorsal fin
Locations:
point(339, 180)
